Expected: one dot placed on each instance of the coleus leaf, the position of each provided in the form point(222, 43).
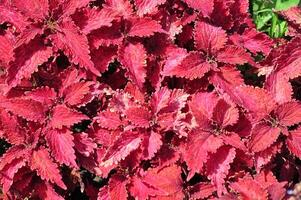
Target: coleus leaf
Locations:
point(29, 109)
point(75, 93)
point(84, 144)
point(10, 15)
point(218, 166)
point(147, 6)
point(255, 100)
point(122, 7)
point(91, 19)
point(6, 49)
point(199, 144)
point(102, 56)
point(61, 144)
point(293, 142)
point(202, 106)
point(44, 95)
point(45, 167)
point(74, 45)
point(141, 190)
point(117, 187)
point(204, 6)
point(70, 6)
point(208, 37)
point(8, 172)
point(109, 120)
point(249, 189)
point(12, 153)
point(279, 86)
point(263, 136)
point(126, 143)
point(139, 116)
point(133, 58)
point(166, 180)
point(234, 55)
point(253, 41)
point(192, 66)
point(225, 114)
point(293, 14)
point(151, 144)
point(10, 127)
point(64, 116)
point(288, 113)
point(46, 191)
point(36, 9)
point(29, 57)
point(143, 27)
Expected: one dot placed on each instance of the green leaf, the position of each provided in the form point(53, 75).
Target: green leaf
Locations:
point(285, 4)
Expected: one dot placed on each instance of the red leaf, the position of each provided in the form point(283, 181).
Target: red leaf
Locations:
point(64, 116)
point(264, 157)
point(74, 45)
point(165, 100)
point(263, 136)
point(106, 36)
point(192, 66)
point(28, 58)
point(34, 9)
point(133, 58)
point(139, 116)
point(202, 106)
point(204, 6)
point(199, 144)
point(109, 120)
point(218, 166)
point(61, 144)
point(44, 95)
point(256, 100)
point(122, 147)
point(167, 180)
point(92, 19)
point(254, 41)
point(45, 167)
point(6, 49)
point(103, 56)
point(293, 14)
point(75, 93)
point(202, 190)
point(147, 6)
point(103, 194)
point(279, 86)
point(143, 27)
point(7, 14)
point(249, 189)
point(233, 139)
point(11, 130)
point(123, 7)
point(8, 172)
point(46, 191)
point(141, 190)
point(70, 6)
point(117, 188)
point(209, 38)
point(152, 142)
point(294, 142)
point(225, 114)
point(84, 144)
point(234, 55)
point(13, 153)
point(289, 113)
point(26, 108)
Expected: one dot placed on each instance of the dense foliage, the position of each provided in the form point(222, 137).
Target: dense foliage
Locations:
point(149, 99)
